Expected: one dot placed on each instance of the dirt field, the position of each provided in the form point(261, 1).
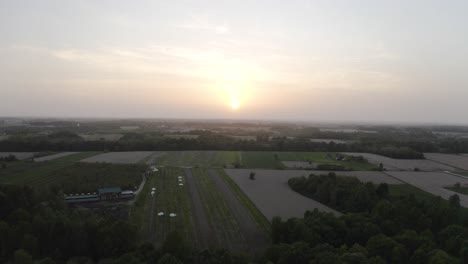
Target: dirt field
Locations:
point(403, 164)
point(271, 194)
point(120, 157)
point(299, 164)
point(18, 155)
point(457, 161)
point(433, 182)
point(54, 156)
point(255, 238)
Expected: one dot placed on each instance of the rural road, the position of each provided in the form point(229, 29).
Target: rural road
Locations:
point(257, 240)
point(203, 229)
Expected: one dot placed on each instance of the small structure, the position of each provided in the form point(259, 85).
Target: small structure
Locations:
point(181, 184)
point(127, 194)
point(172, 215)
point(81, 198)
point(161, 214)
point(112, 193)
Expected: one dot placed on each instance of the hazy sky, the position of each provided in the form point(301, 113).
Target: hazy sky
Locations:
point(302, 60)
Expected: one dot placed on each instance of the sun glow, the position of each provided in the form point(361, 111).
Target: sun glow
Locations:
point(234, 104)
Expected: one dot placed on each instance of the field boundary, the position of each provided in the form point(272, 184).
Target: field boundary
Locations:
point(260, 218)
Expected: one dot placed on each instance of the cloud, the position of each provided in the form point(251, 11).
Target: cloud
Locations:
point(203, 23)
point(219, 29)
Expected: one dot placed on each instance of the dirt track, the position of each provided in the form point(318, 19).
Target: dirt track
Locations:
point(255, 237)
point(203, 230)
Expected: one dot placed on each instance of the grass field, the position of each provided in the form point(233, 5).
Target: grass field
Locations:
point(261, 220)
point(261, 160)
point(462, 190)
point(39, 174)
point(88, 177)
point(169, 198)
point(272, 160)
point(204, 159)
point(226, 228)
point(407, 189)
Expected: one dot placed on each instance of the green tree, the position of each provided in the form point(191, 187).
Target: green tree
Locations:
point(176, 245)
point(168, 259)
point(21, 256)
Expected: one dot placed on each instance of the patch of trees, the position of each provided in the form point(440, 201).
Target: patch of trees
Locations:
point(376, 227)
point(8, 158)
point(37, 226)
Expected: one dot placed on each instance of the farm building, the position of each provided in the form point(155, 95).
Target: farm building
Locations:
point(81, 198)
point(127, 194)
point(112, 193)
point(103, 194)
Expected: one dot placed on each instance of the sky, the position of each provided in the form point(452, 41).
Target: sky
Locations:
point(363, 61)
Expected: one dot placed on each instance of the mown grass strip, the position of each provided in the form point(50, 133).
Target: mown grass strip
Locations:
point(261, 220)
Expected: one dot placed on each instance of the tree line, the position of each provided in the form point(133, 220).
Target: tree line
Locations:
point(376, 227)
point(68, 141)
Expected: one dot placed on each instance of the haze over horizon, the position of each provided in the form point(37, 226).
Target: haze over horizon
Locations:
point(387, 61)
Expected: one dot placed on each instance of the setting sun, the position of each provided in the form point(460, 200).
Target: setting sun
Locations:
point(234, 105)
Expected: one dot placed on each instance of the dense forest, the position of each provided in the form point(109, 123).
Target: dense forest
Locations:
point(376, 227)
point(410, 148)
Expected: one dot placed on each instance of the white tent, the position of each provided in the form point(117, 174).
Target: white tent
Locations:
point(172, 215)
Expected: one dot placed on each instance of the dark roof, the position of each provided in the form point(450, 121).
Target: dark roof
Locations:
point(71, 197)
point(109, 190)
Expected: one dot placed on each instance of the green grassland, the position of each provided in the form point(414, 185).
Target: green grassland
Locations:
point(261, 160)
point(88, 177)
point(37, 174)
point(204, 159)
point(169, 198)
point(261, 220)
point(462, 190)
point(227, 229)
point(272, 160)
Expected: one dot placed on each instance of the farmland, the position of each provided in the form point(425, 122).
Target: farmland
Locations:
point(403, 164)
point(120, 157)
point(457, 161)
